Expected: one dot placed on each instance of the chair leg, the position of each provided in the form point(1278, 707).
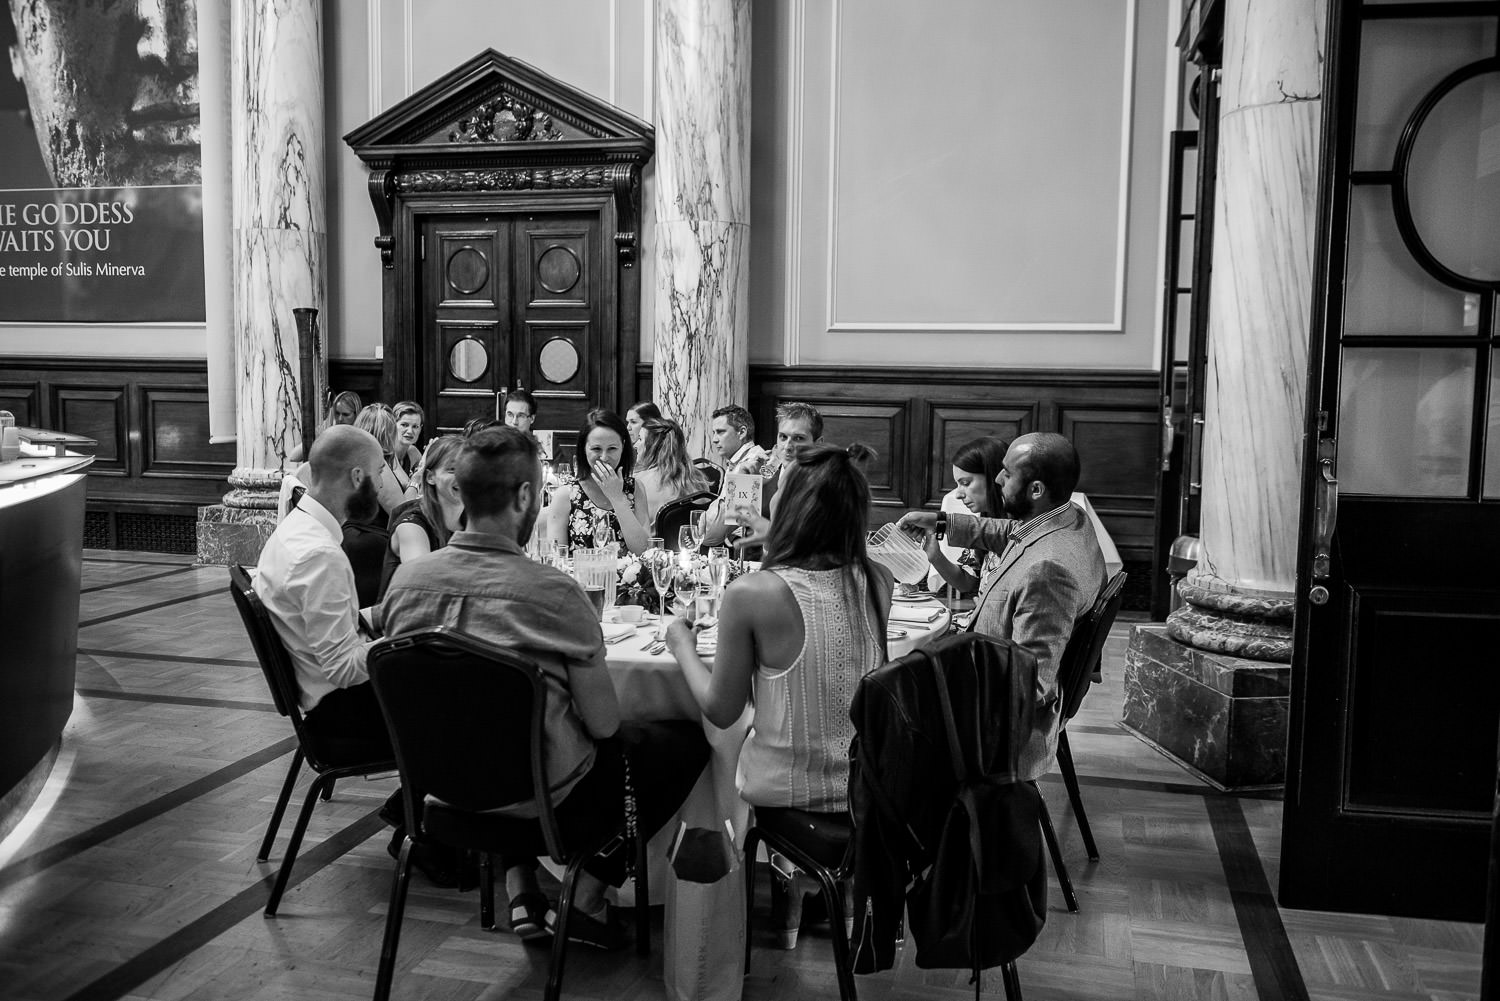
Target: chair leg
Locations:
point(752, 848)
point(328, 791)
point(280, 811)
point(1058, 865)
point(642, 899)
point(1070, 780)
point(833, 899)
point(560, 934)
point(393, 914)
point(291, 848)
point(486, 891)
point(1012, 981)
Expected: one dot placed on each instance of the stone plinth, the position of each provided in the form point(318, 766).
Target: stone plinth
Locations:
point(1222, 716)
point(233, 534)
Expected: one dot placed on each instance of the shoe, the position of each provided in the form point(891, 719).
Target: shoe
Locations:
point(532, 917)
point(601, 933)
point(434, 862)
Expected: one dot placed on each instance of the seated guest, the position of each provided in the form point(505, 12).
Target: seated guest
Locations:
point(520, 410)
point(636, 418)
point(603, 491)
point(378, 419)
point(367, 540)
point(477, 424)
point(796, 637)
point(307, 585)
point(797, 424)
point(1048, 573)
point(409, 420)
point(482, 583)
point(422, 525)
point(665, 472)
point(975, 468)
point(342, 409)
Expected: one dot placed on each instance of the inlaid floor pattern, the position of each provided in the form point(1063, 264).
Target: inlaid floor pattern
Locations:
point(140, 879)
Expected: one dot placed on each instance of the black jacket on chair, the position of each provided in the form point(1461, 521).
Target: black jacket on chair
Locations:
point(972, 840)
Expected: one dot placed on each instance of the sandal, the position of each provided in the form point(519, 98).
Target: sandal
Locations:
point(531, 917)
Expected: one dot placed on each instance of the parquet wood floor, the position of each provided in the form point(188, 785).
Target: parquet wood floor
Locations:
point(137, 877)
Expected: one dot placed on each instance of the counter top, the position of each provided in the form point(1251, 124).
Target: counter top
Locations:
point(36, 463)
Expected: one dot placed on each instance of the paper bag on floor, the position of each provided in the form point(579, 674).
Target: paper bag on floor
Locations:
point(706, 967)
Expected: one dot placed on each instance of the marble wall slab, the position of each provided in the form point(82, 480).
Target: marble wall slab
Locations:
point(702, 205)
point(1223, 717)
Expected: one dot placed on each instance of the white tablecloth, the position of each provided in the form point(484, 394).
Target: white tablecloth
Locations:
point(651, 687)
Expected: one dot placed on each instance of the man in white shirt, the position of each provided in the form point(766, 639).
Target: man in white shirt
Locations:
point(307, 585)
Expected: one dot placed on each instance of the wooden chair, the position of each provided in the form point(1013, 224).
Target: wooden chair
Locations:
point(331, 759)
point(466, 719)
point(1080, 661)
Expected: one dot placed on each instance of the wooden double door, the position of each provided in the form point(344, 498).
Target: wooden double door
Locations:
point(513, 300)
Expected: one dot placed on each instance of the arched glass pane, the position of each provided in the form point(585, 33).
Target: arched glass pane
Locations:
point(1453, 179)
point(1405, 421)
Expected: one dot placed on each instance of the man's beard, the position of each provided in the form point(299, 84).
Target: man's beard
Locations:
point(1021, 507)
point(364, 503)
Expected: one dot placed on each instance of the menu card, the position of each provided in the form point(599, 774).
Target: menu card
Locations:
point(741, 490)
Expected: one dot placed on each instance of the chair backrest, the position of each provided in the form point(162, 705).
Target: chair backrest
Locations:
point(275, 662)
point(714, 473)
point(1086, 645)
point(465, 718)
point(671, 516)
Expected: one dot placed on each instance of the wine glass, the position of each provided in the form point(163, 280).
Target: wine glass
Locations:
point(685, 539)
point(695, 526)
point(604, 530)
point(663, 573)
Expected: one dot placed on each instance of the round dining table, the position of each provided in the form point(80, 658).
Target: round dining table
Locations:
point(704, 936)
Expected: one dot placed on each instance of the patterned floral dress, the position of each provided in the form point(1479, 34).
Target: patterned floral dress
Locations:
point(581, 513)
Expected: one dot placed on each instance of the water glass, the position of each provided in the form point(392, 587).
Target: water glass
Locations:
point(695, 526)
point(685, 539)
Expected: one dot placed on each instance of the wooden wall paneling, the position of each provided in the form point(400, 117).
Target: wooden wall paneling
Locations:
point(173, 438)
point(1117, 446)
point(23, 398)
point(97, 411)
point(881, 425)
point(361, 375)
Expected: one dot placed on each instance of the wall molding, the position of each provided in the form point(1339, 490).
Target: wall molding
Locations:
point(791, 335)
point(832, 325)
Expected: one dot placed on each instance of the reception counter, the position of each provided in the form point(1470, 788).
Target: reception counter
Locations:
point(41, 564)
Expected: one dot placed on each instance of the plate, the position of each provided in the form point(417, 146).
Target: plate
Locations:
point(922, 599)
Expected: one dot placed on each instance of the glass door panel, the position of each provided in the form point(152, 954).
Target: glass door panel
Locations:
point(1405, 420)
point(1388, 291)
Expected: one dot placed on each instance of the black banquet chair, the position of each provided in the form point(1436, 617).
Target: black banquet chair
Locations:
point(466, 717)
point(672, 515)
point(331, 759)
point(1080, 660)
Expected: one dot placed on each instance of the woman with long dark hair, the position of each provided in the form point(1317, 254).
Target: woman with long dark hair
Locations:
point(602, 489)
point(635, 422)
point(798, 634)
point(976, 465)
point(426, 523)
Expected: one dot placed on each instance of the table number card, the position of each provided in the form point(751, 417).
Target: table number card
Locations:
point(544, 442)
point(741, 490)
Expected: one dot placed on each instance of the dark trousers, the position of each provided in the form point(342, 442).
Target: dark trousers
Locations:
point(350, 714)
point(665, 758)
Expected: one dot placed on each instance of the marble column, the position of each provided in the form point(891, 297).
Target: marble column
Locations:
point(1240, 598)
point(702, 210)
point(276, 79)
point(1212, 688)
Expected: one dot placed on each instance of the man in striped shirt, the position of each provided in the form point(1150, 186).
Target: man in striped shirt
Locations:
point(1049, 571)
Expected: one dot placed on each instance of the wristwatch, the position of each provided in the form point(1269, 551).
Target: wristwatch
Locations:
point(942, 524)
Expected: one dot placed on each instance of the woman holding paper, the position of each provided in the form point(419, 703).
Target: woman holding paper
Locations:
point(799, 633)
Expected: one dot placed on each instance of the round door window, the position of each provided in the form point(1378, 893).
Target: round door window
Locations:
point(558, 360)
point(467, 360)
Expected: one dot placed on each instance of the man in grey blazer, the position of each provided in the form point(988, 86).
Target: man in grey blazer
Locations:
point(1045, 571)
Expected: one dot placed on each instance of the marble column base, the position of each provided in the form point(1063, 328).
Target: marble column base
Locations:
point(232, 534)
point(1222, 717)
point(1219, 618)
point(258, 489)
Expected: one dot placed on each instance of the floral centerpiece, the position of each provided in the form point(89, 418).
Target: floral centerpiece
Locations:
point(636, 586)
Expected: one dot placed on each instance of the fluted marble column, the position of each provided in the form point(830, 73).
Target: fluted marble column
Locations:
point(1240, 598)
point(702, 210)
point(279, 233)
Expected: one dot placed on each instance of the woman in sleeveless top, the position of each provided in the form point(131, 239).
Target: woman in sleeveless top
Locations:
point(426, 523)
point(603, 486)
point(800, 633)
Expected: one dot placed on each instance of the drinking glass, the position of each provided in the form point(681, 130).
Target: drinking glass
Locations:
point(695, 526)
point(685, 539)
point(663, 573)
point(718, 573)
point(655, 542)
point(604, 531)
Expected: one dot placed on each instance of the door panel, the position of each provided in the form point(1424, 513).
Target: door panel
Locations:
point(1395, 695)
point(465, 345)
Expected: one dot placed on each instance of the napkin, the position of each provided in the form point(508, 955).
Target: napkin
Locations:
point(614, 632)
point(916, 614)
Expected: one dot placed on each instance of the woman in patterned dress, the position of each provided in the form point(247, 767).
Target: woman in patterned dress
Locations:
point(603, 486)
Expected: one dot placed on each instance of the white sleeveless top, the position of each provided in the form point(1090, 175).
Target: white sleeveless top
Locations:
point(797, 751)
